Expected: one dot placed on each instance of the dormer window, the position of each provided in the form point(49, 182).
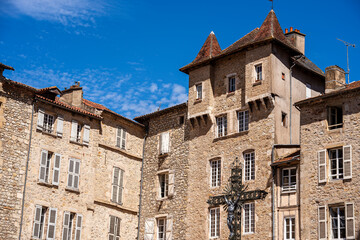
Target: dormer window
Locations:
point(198, 91)
point(48, 123)
point(258, 71)
point(335, 117)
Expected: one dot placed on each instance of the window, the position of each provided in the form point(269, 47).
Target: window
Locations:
point(335, 117)
point(80, 133)
point(161, 229)
point(117, 185)
point(232, 81)
point(337, 215)
point(243, 120)
point(308, 90)
point(289, 228)
point(336, 163)
point(164, 143)
point(199, 91)
point(221, 126)
point(46, 122)
point(249, 218)
point(249, 158)
point(39, 222)
point(45, 167)
point(214, 222)
point(215, 172)
point(114, 232)
point(288, 179)
point(283, 119)
point(181, 120)
point(74, 174)
point(283, 76)
point(121, 138)
point(258, 71)
point(164, 185)
point(69, 229)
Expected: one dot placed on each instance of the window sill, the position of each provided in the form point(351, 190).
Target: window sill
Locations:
point(49, 134)
point(120, 148)
point(164, 198)
point(229, 94)
point(257, 82)
point(198, 100)
point(50, 185)
point(79, 143)
point(163, 155)
point(335, 130)
point(115, 203)
point(231, 135)
point(77, 191)
point(288, 192)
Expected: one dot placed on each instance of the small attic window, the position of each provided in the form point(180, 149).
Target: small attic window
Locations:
point(181, 120)
point(198, 91)
point(283, 119)
point(258, 71)
point(283, 76)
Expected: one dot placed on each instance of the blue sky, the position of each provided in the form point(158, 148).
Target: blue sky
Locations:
point(126, 53)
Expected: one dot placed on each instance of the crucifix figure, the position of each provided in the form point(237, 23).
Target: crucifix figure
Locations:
point(233, 198)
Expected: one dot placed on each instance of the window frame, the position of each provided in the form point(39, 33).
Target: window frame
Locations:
point(116, 228)
point(243, 121)
point(251, 218)
point(158, 220)
point(215, 173)
point(258, 74)
point(73, 174)
point(290, 187)
point(249, 175)
point(338, 175)
point(221, 126)
point(338, 218)
point(163, 190)
point(199, 94)
point(338, 123)
point(214, 222)
point(292, 223)
point(121, 140)
point(231, 83)
point(119, 186)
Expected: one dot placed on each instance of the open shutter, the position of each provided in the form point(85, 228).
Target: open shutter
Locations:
point(71, 173)
point(77, 174)
point(66, 224)
point(40, 120)
point(37, 221)
point(171, 183)
point(59, 126)
point(79, 219)
point(149, 229)
point(322, 166)
point(121, 183)
point(350, 221)
point(74, 125)
point(169, 225)
point(56, 172)
point(322, 223)
point(51, 224)
point(86, 137)
point(123, 139)
point(43, 168)
point(115, 184)
point(347, 162)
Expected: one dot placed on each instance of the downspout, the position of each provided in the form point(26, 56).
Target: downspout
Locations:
point(141, 184)
point(26, 171)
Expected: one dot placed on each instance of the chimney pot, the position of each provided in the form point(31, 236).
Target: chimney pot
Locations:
point(291, 29)
point(286, 30)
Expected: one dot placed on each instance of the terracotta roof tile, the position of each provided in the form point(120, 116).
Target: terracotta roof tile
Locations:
point(295, 156)
point(159, 112)
point(211, 48)
point(3, 66)
point(245, 40)
point(19, 84)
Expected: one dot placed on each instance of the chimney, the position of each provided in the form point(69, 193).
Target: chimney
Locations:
point(334, 78)
point(296, 38)
point(73, 95)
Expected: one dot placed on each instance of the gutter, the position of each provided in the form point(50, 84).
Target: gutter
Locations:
point(26, 171)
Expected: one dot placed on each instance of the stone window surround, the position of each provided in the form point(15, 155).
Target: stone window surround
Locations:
point(210, 172)
point(247, 151)
point(51, 182)
point(209, 220)
point(252, 213)
point(202, 91)
point(292, 218)
point(158, 187)
point(227, 79)
point(237, 119)
point(157, 217)
point(254, 81)
point(225, 127)
point(56, 117)
point(339, 125)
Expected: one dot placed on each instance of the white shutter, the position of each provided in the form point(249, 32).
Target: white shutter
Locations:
point(169, 226)
point(164, 141)
point(171, 183)
point(322, 166)
point(117, 232)
point(66, 226)
point(56, 171)
point(86, 137)
point(347, 153)
point(51, 224)
point(74, 125)
point(123, 139)
point(350, 221)
point(149, 229)
point(322, 222)
point(79, 219)
point(59, 126)
point(115, 184)
point(40, 121)
point(37, 221)
point(112, 228)
point(43, 167)
point(77, 174)
point(121, 182)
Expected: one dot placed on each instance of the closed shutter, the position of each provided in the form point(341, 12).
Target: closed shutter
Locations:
point(74, 125)
point(123, 139)
point(171, 183)
point(79, 219)
point(43, 166)
point(71, 173)
point(350, 221)
point(322, 223)
point(121, 187)
point(112, 228)
point(116, 173)
point(56, 172)
point(164, 141)
point(66, 226)
point(77, 174)
point(322, 166)
point(149, 229)
point(86, 138)
point(169, 226)
point(347, 162)
point(117, 231)
point(59, 126)
point(51, 224)
point(37, 222)
point(40, 121)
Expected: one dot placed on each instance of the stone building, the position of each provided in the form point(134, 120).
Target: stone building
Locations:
point(77, 163)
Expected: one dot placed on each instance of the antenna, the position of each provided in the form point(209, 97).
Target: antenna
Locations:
point(347, 56)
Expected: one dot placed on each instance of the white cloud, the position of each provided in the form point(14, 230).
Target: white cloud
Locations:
point(153, 87)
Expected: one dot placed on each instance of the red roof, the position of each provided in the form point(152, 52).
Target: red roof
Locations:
point(295, 156)
point(210, 49)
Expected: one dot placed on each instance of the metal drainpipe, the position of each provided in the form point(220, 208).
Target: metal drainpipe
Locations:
point(141, 184)
point(26, 171)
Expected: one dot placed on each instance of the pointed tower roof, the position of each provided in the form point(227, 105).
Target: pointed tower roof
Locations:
point(211, 48)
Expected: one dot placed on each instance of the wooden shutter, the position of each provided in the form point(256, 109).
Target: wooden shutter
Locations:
point(121, 183)
point(71, 174)
point(322, 222)
point(322, 166)
point(117, 232)
point(116, 173)
point(51, 224)
point(347, 153)
point(171, 183)
point(40, 120)
point(164, 141)
point(79, 219)
point(74, 125)
point(350, 221)
point(66, 226)
point(123, 139)
point(43, 168)
point(56, 171)
point(86, 137)
point(169, 226)
point(37, 222)
point(77, 174)
point(59, 126)
point(112, 228)
point(149, 229)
